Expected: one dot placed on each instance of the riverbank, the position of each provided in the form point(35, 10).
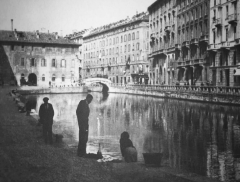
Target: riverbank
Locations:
point(25, 157)
point(215, 95)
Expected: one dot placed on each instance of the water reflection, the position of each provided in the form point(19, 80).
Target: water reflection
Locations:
point(197, 137)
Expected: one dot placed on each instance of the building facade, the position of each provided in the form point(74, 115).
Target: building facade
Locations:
point(224, 47)
point(192, 42)
point(77, 37)
point(37, 58)
point(162, 28)
point(118, 51)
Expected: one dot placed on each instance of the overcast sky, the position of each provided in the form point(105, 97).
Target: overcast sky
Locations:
point(64, 16)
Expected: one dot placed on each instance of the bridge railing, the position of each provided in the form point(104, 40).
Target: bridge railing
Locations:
point(198, 89)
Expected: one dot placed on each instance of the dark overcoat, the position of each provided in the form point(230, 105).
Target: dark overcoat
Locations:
point(82, 115)
point(46, 114)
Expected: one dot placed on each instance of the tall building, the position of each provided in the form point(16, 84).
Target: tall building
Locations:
point(162, 26)
point(37, 58)
point(77, 37)
point(118, 51)
point(224, 49)
point(192, 42)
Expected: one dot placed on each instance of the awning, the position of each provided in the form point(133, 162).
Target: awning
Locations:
point(237, 72)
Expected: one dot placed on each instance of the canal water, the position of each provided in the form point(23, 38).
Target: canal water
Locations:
point(197, 137)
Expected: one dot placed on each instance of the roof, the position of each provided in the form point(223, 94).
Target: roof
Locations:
point(153, 5)
point(138, 17)
point(77, 34)
point(33, 37)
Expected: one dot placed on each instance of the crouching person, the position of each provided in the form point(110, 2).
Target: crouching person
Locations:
point(46, 114)
point(128, 151)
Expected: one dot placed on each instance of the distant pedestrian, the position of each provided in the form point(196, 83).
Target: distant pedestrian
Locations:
point(50, 83)
point(128, 151)
point(46, 114)
point(82, 116)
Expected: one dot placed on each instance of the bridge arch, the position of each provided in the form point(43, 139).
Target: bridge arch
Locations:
point(106, 83)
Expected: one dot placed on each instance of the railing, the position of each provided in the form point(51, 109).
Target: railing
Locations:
point(194, 89)
point(232, 18)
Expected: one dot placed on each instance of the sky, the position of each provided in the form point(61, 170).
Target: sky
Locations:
point(66, 16)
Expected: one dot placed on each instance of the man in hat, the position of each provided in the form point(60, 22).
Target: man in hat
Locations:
point(82, 116)
point(46, 114)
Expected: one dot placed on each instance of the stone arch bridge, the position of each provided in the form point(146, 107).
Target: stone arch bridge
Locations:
point(106, 83)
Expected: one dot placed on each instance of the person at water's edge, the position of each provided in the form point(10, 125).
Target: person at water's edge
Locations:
point(82, 116)
point(46, 114)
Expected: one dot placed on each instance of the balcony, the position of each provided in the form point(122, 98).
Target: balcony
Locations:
point(180, 63)
point(204, 38)
point(232, 19)
point(194, 41)
point(217, 22)
point(167, 29)
point(185, 43)
point(188, 62)
point(177, 46)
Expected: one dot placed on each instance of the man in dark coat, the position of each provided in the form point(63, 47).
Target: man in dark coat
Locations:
point(46, 114)
point(82, 116)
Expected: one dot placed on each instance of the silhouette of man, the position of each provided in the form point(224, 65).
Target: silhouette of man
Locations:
point(46, 114)
point(82, 116)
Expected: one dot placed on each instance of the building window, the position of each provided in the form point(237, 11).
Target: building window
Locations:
point(125, 38)
point(63, 78)
point(125, 50)
point(129, 37)
point(53, 62)
point(129, 47)
point(22, 62)
point(73, 62)
point(53, 77)
point(22, 48)
point(221, 76)
point(226, 34)
point(226, 11)
point(137, 35)
point(133, 36)
point(137, 46)
point(43, 77)
point(63, 63)
point(43, 62)
point(110, 41)
point(121, 39)
point(32, 62)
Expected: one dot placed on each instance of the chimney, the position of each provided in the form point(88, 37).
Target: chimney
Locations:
point(56, 35)
point(37, 34)
point(12, 24)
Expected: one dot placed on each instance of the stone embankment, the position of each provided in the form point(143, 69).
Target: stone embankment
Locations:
point(222, 95)
point(25, 158)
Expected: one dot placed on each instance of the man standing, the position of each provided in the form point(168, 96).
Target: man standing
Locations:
point(82, 116)
point(46, 114)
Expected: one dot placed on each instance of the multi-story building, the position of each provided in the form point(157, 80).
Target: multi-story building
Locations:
point(37, 58)
point(77, 37)
point(162, 26)
point(192, 42)
point(224, 48)
point(118, 51)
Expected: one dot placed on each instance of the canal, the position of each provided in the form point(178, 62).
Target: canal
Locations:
point(197, 137)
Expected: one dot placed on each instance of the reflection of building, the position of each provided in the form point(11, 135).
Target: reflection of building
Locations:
point(224, 39)
point(38, 57)
point(162, 23)
point(118, 51)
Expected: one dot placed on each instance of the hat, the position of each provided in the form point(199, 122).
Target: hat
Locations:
point(45, 98)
